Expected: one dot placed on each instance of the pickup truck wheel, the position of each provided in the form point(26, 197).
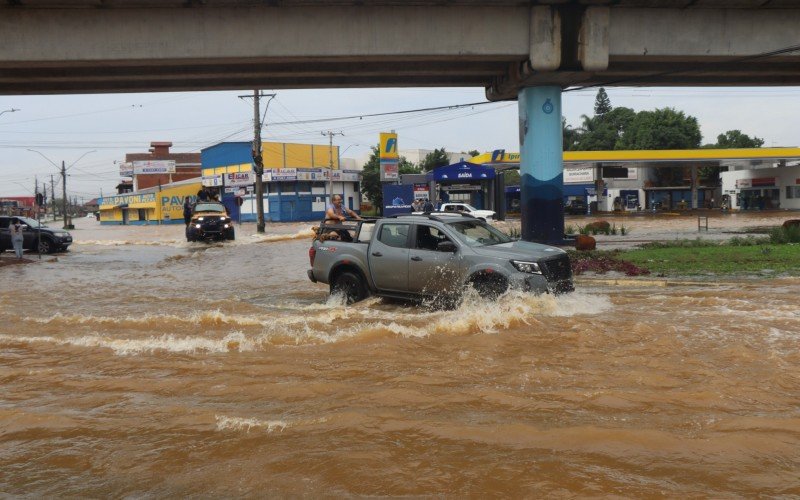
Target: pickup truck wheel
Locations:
point(489, 287)
point(351, 285)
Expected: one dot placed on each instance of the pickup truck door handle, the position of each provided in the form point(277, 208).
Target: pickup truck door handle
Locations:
point(377, 254)
point(416, 258)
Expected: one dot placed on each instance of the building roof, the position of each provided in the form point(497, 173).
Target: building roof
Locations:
point(657, 157)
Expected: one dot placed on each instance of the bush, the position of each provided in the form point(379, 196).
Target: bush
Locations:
point(601, 264)
point(783, 235)
point(695, 243)
point(747, 241)
point(570, 229)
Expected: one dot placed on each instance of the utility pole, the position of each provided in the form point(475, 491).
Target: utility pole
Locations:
point(64, 192)
point(258, 159)
point(53, 195)
point(330, 135)
point(63, 180)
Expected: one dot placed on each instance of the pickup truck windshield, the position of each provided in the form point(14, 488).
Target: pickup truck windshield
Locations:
point(475, 233)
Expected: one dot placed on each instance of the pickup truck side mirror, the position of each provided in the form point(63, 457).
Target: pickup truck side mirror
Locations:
point(446, 246)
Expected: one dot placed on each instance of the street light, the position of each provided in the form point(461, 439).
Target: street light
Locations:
point(63, 179)
point(9, 111)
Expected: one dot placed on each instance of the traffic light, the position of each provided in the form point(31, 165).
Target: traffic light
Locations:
point(39, 199)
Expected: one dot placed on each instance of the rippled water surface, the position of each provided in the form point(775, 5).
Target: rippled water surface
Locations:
point(138, 364)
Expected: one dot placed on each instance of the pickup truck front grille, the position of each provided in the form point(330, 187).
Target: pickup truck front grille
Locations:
point(557, 269)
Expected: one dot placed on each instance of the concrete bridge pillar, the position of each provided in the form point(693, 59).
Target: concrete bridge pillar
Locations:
point(541, 164)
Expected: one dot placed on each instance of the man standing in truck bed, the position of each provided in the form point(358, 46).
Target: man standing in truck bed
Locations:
point(337, 212)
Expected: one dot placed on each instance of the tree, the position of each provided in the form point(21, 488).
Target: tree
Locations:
point(602, 104)
point(570, 136)
point(664, 128)
point(371, 177)
point(600, 133)
point(736, 139)
point(473, 152)
point(729, 140)
point(436, 158)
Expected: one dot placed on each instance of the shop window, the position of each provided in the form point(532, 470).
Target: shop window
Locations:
point(792, 192)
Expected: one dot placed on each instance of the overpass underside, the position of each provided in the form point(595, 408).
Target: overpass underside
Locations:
point(82, 46)
point(104, 76)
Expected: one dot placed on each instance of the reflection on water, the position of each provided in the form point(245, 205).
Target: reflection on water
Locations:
point(182, 369)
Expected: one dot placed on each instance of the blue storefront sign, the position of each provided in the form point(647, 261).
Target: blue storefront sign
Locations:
point(397, 199)
point(462, 171)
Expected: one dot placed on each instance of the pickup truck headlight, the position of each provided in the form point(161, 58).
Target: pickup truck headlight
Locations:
point(526, 267)
point(200, 218)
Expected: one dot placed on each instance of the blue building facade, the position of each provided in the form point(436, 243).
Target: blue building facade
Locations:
point(290, 194)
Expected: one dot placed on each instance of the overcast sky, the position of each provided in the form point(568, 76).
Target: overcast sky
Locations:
point(65, 127)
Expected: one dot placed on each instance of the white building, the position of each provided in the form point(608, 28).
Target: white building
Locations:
point(764, 188)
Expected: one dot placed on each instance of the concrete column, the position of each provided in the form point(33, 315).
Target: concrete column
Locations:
point(541, 164)
point(694, 187)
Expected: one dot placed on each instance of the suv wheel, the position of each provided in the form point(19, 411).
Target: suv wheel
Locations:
point(351, 285)
point(489, 287)
point(46, 246)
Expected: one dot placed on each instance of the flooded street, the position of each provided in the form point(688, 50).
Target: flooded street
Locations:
point(141, 365)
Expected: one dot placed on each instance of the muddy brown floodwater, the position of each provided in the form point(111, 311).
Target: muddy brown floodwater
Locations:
point(140, 365)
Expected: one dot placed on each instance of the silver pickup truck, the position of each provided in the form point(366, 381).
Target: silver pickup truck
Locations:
point(431, 256)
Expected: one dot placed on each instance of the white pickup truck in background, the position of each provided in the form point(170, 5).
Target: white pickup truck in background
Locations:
point(485, 215)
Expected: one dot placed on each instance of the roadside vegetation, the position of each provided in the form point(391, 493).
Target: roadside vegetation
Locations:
point(777, 253)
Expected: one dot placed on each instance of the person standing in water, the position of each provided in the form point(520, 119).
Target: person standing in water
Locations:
point(17, 238)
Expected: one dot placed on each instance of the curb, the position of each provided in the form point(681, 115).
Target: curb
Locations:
point(663, 283)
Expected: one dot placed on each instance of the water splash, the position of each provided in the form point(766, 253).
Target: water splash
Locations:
point(225, 423)
point(326, 323)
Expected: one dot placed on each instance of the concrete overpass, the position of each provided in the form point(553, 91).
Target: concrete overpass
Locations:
point(525, 50)
point(67, 46)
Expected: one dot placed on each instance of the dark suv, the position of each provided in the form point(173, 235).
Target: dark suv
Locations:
point(52, 240)
point(575, 206)
point(209, 221)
